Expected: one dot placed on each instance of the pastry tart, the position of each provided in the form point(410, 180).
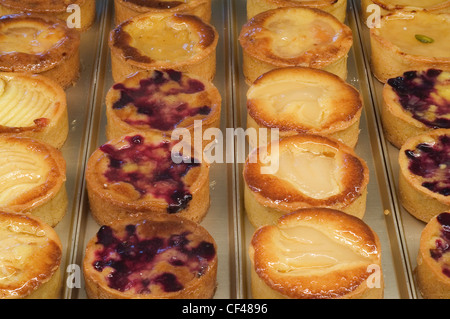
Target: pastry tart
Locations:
point(33, 106)
point(162, 257)
point(337, 8)
point(305, 100)
point(161, 101)
point(414, 103)
point(39, 45)
point(33, 178)
point(390, 6)
point(125, 9)
point(53, 9)
point(316, 253)
point(303, 171)
point(433, 259)
point(424, 177)
point(143, 173)
point(163, 41)
point(30, 258)
point(294, 36)
point(408, 41)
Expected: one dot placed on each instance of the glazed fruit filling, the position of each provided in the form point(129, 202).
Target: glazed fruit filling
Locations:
point(425, 95)
point(134, 261)
point(442, 244)
point(431, 161)
point(161, 101)
point(151, 170)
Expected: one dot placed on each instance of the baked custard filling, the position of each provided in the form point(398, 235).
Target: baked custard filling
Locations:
point(414, 3)
point(19, 172)
point(431, 161)
point(29, 38)
point(425, 95)
point(302, 249)
point(299, 102)
point(163, 39)
point(318, 177)
point(292, 36)
point(441, 243)
point(407, 30)
point(22, 103)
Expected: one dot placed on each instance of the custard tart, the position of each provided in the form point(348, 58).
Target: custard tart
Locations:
point(433, 258)
point(305, 100)
point(407, 41)
point(54, 9)
point(39, 45)
point(33, 106)
point(337, 8)
point(163, 41)
point(424, 177)
point(30, 258)
point(162, 257)
point(316, 253)
point(303, 171)
point(160, 102)
point(414, 103)
point(146, 174)
point(125, 9)
point(390, 6)
point(295, 36)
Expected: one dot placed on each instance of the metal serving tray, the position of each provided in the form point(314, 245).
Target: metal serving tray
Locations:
point(226, 219)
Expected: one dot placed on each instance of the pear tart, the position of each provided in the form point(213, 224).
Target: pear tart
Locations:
point(433, 258)
point(33, 106)
point(316, 253)
point(390, 6)
point(294, 36)
point(163, 257)
point(161, 101)
point(303, 171)
point(53, 9)
point(424, 177)
point(163, 41)
point(407, 41)
point(33, 178)
point(39, 45)
point(414, 103)
point(30, 258)
point(125, 9)
point(305, 100)
point(148, 174)
point(337, 8)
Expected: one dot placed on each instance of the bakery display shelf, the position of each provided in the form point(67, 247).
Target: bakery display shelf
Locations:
point(226, 219)
point(410, 228)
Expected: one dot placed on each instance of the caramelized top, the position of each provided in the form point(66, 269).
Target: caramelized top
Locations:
point(314, 253)
point(40, 6)
point(34, 44)
point(158, 4)
point(296, 36)
point(412, 4)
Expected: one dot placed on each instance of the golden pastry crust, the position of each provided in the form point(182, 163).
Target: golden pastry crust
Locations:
point(179, 260)
point(136, 174)
point(173, 100)
point(191, 49)
point(416, 110)
point(337, 8)
point(390, 6)
point(305, 100)
point(311, 171)
point(34, 179)
point(31, 253)
point(125, 9)
point(53, 9)
point(424, 174)
point(315, 253)
point(39, 45)
point(295, 36)
point(433, 263)
point(408, 41)
point(45, 119)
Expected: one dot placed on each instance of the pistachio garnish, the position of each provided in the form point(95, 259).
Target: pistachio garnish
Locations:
point(424, 39)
